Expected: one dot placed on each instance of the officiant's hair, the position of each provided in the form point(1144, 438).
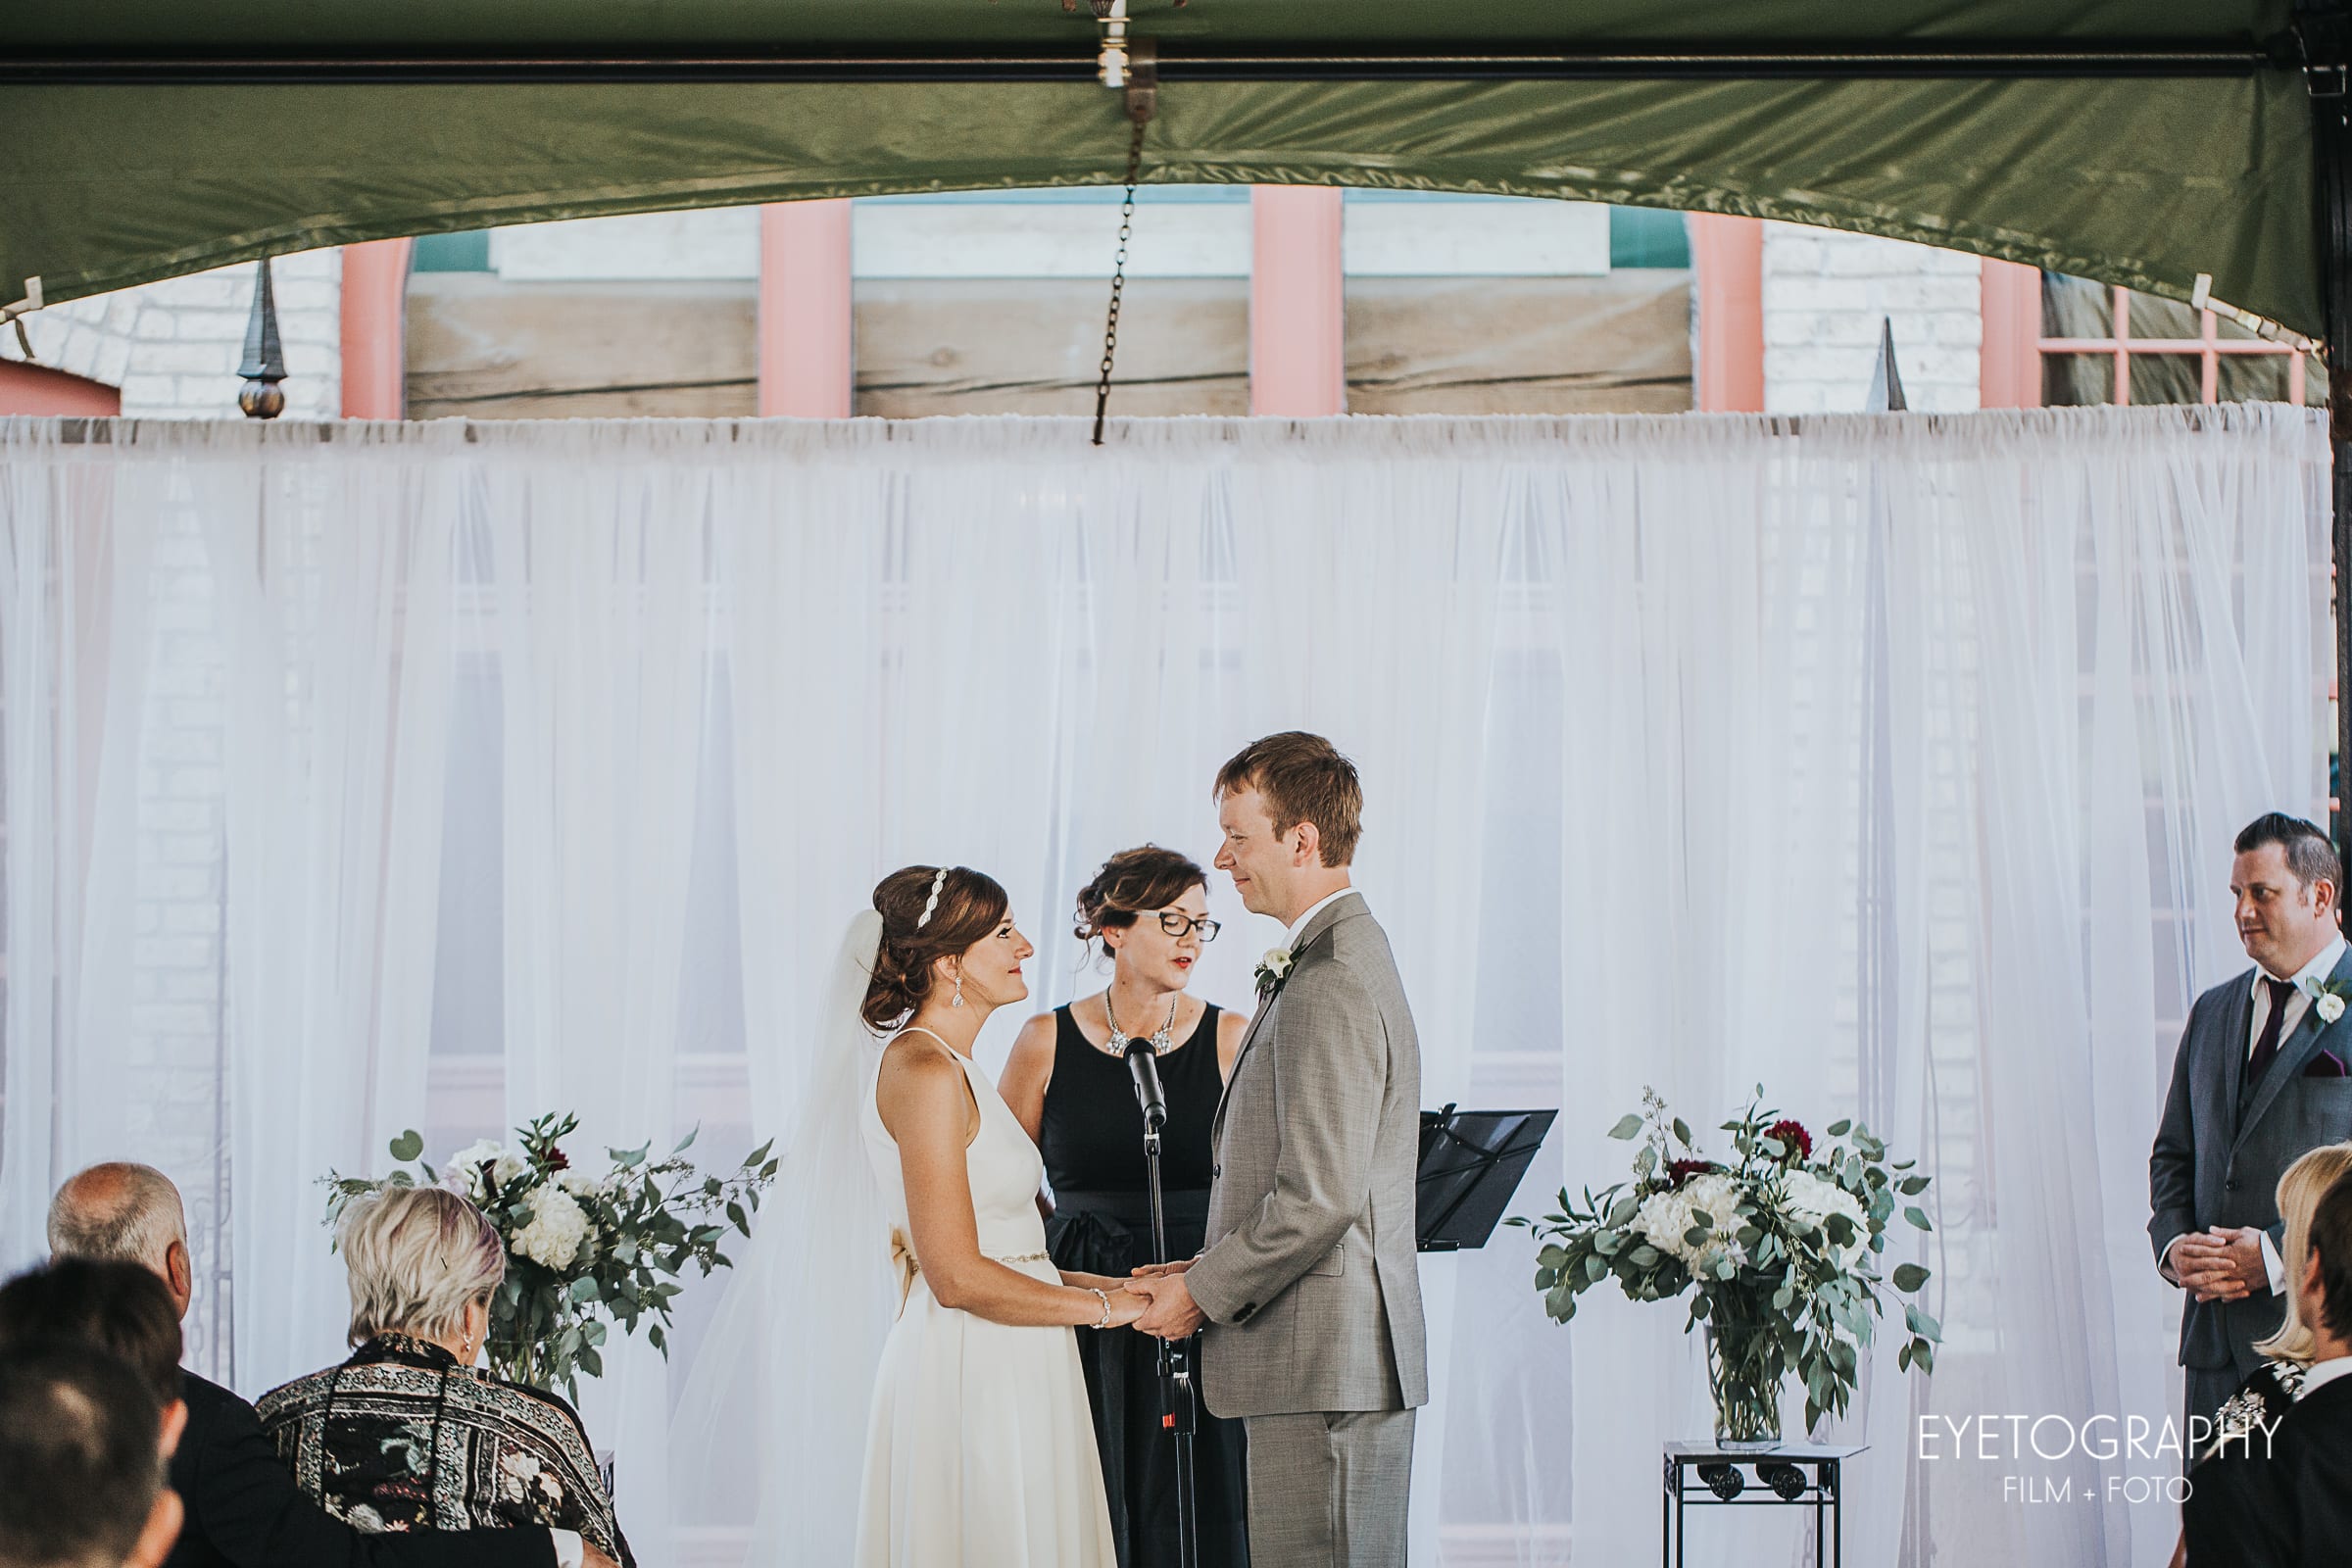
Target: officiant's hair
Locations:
point(970, 906)
point(417, 1256)
point(2309, 855)
point(119, 1308)
point(1132, 883)
point(1304, 779)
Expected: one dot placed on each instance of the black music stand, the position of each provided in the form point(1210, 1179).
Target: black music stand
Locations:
point(1471, 1163)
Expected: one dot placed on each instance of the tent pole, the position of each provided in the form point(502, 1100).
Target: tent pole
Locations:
point(2325, 32)
point(1877, 61)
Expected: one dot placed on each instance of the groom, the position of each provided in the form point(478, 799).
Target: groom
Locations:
point(1309, 1283)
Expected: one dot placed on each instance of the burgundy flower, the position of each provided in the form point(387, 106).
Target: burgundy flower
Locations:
point(1791, 1133)
point(557, 1159)
point(1681, 1171)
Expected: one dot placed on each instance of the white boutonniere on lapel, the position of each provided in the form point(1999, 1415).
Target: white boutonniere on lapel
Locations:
point(1275, 968)
point(2327, 997)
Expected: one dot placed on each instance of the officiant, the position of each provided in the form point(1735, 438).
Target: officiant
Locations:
point(1068, 1080)
point(2260, 1079)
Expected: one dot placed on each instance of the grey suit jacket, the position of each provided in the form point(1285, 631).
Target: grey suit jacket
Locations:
point(2214, 1166)
point(1310, 1279)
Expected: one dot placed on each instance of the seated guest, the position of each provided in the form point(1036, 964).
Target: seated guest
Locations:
point(243, 1509)
point(408, 1403)
point(82, 1467)
point(2286, 1501)
point(118, 1308)
point(2287, 1354)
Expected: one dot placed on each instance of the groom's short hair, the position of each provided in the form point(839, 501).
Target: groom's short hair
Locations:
point(1304, 779)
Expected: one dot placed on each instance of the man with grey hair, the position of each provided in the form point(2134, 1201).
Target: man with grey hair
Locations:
point(243, 1509)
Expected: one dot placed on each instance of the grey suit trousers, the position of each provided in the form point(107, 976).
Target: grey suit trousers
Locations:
point(1327, 1489)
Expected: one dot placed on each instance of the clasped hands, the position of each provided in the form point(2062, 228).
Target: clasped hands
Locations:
point(1157, 1302)
point(2220, 1264)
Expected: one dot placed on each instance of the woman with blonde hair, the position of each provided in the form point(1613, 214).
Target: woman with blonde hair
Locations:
point(2239, 1444)
point(406, 1433)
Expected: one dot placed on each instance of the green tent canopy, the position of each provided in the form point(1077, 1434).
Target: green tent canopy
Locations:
point(2147, 142)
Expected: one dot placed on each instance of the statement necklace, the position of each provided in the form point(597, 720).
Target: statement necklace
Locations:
point(1119, 1039)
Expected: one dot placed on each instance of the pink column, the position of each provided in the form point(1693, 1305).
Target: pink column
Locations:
point(1727, 255)
point(1297, 342)
point(55, 394)
point(2009, 364)
point(375, 291)
point(804, 365)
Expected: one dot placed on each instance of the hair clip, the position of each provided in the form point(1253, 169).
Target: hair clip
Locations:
point(931, 906)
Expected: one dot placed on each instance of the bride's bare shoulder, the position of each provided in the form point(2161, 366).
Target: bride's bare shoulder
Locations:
point(916, 1066)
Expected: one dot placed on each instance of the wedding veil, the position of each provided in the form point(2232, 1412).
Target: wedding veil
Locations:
point(770, 1432)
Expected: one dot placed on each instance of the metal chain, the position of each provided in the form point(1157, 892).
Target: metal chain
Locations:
point(1118, 276)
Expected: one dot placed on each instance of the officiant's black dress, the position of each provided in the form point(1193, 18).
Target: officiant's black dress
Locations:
point(1092, 1136)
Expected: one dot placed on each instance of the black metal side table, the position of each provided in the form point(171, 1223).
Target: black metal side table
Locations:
point(1707, 1474)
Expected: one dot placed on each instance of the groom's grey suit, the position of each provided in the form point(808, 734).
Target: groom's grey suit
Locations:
point(1310, 1280)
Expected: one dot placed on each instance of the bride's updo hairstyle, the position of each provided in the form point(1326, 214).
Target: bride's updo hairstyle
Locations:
point(970, 906)
point(1131, 883)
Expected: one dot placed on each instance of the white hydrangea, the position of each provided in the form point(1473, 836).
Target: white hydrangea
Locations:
point(1664, 1218)
point(463, 1174)
point(1805, 1196)
point(508, 1168)
point(579, 1183)
point(557, 1227)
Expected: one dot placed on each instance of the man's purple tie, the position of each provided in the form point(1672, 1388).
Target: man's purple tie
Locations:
point(2266, 1047)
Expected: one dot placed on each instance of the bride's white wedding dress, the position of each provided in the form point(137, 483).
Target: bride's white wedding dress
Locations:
point(980, 1451)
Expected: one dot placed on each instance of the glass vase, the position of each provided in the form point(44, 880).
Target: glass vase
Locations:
point(1745, 1369)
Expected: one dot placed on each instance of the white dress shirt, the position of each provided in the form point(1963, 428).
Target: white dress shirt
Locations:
point(2298, 1003)
point(570, 1550)
point(1289, 938)
point(2327, 1371)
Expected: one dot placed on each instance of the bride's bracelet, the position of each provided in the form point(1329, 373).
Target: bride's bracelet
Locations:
point(1102, 1296)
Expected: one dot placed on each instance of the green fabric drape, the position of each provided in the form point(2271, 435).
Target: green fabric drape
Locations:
point(2147, 182)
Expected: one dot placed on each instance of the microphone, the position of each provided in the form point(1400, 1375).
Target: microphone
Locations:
point(1147, 1093)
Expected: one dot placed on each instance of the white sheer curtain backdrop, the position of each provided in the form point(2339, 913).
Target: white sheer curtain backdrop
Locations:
point(368, 776)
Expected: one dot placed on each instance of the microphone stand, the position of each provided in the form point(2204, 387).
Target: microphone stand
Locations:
point(1180, 1416)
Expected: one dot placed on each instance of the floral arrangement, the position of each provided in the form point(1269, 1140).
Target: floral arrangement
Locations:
point(1778, 1252)
point(582, 1251)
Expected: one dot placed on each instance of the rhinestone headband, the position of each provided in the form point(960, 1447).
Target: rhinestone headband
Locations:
point(931, 906)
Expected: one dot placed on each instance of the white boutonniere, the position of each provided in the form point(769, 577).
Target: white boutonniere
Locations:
point(1275, 968)
point(2327, 997)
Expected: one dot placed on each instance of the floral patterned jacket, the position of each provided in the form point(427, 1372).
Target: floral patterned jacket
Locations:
point(400, 1437)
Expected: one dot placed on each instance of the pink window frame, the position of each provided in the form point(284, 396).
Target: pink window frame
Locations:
point(2014, 347)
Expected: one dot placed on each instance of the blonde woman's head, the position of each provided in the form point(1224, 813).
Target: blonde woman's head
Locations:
point(419, 1258)
point(2306, 1181)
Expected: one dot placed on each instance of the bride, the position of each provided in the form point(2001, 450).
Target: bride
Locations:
point(980, 1450)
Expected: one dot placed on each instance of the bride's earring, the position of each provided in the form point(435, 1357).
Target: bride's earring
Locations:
point(957, 1000)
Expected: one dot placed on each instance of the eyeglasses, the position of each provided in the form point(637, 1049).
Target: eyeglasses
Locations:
point(1176, 924)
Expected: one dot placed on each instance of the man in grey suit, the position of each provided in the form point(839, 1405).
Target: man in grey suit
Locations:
point(1310, 1284)
point(2259, 1080)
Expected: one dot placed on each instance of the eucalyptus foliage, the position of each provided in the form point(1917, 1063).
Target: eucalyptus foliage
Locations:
point(1779, 1251)
point(582, 1252)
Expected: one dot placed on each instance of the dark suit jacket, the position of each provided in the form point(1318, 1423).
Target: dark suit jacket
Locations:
point(243, 1509)
point(2214, 1166)
point(2289, 1508)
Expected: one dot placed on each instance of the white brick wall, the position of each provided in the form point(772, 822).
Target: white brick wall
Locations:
point(172, 347)
point(1824, 293)
point(175, 1016)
